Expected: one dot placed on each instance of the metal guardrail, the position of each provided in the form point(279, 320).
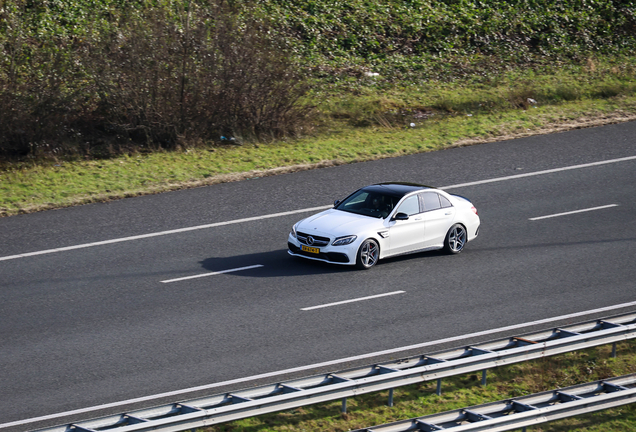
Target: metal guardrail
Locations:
point(328, 387)
point(525, 411)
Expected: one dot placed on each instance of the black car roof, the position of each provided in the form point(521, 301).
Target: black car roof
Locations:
point(396, 188)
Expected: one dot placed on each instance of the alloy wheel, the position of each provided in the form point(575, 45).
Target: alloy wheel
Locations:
point(369, 254)
point(457, 238)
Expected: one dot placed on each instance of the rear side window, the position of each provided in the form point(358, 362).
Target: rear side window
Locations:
point(430, 201)
point(445, 202)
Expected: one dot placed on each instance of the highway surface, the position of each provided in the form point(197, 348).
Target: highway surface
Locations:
point(138, 302)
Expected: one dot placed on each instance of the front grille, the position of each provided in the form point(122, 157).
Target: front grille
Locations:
point(318, 241)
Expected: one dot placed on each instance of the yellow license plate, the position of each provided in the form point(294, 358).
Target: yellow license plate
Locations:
point(310, 249)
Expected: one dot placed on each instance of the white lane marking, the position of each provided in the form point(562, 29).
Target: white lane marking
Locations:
point(536, 173)
point(212, 273)
point(175, 231)
point(352, 300)
point(573, 212)
point(312, 367)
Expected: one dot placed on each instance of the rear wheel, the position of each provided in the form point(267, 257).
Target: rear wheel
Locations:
point(368, 254)
point(455, 239)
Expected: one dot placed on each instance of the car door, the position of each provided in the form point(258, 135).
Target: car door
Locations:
point(438, 216)
point(407, 235)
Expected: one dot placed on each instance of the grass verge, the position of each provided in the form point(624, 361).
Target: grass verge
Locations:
point(465, 390)
point(27, 187)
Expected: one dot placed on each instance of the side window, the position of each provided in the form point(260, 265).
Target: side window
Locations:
point(445, 202)
point(410, 206)
point(430, 201)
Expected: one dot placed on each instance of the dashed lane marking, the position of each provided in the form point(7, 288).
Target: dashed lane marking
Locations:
point(212, 273)
point(352, 300)
point(573, 212)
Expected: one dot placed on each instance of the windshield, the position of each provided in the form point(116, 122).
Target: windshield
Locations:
point(369, 203)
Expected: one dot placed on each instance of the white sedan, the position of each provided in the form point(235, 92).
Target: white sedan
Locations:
point(385, 220)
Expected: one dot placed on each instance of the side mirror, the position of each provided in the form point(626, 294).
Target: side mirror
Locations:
point(336, 202)
point(401, 216)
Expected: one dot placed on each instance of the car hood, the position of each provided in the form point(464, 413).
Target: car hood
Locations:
point(337, 223)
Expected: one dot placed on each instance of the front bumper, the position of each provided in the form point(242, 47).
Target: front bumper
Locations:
point(331, 254)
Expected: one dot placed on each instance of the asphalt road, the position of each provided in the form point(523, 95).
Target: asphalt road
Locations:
point(87, 326)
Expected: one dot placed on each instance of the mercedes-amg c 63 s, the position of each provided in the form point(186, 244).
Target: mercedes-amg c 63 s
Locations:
point(385, 220)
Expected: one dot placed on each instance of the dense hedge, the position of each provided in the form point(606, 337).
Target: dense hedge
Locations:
point(410, 41)
point(95, 77)
point(414, 40)
point(371, 28)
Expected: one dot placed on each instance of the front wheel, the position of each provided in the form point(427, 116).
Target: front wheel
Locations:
point(368, 254)
point(455, 239)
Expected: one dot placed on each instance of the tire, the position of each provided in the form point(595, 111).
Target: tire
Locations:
point(368, 254)
point(456, 239)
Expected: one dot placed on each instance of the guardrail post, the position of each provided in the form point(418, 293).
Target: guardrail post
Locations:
point(439, 387)
point(483, 377)
point(614, 350)
point(344, 405)
point(390, 397)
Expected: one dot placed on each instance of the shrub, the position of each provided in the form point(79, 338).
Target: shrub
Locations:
point(141, 74)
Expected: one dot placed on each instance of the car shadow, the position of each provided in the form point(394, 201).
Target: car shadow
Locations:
point(279, 263)
point(274, 264)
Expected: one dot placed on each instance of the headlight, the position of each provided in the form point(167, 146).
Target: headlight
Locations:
point(293, 231)
point(341, 241)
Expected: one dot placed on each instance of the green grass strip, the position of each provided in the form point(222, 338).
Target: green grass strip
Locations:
point(27, 187)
